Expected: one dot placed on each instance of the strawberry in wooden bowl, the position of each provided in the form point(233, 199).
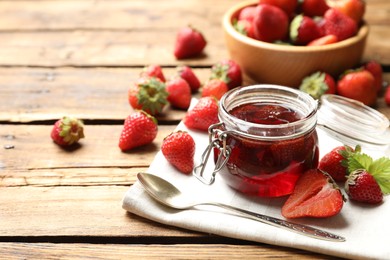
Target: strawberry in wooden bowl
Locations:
point(278, 47)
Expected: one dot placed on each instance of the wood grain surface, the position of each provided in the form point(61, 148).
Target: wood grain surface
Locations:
point(79, 57)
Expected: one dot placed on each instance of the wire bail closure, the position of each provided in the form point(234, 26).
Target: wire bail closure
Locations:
point(217, 139)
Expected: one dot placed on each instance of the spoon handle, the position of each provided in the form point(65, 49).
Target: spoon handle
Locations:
point(295, 227)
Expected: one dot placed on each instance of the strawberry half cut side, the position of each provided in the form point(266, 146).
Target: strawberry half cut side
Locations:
point(315, 195)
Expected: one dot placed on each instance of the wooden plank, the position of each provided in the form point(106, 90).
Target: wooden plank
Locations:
point(111, 14)
point(35, 94)
point(74, 211)
point(102, 48)
point(114, 251)
point(131, 15)
point(133, 48)
point(33, 150)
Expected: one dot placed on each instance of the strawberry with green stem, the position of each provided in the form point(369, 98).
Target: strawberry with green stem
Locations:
point(148, 94)
point(379, 169)
point(318, 84)
point(303, 29)
point(228, 71)
point(67, 131)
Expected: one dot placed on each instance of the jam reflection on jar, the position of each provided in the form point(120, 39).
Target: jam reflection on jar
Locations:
point(272, 139)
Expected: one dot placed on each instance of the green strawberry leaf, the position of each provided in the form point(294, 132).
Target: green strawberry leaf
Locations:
point(380, 169)
point(359, 161)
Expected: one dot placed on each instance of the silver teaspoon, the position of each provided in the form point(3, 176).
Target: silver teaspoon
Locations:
point(167, 194)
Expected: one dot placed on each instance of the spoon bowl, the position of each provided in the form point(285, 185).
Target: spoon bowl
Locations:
point(167, 194)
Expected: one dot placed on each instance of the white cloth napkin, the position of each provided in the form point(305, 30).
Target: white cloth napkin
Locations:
point(366, 228)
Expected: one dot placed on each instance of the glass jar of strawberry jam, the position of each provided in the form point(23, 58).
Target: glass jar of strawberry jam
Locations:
point(265, 139)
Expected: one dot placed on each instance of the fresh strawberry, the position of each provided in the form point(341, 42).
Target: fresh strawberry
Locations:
point(188, 75)
point(387, 96)
point(139, 129)
point(288, 6)
point(179, 93)
point(335, 162)
point(244, 27)
point(148, 94)
point(317, 84)
point(315, 195)
point(270, 23)
point(153, 71)
point(303, 30)
point(324, 40)
point(338, 24)
point(247, 13)
point(376, 70)
point(228, 71)
point(314, 8)
point(362, 186)
point(358, 85)
point(379, 169)
point(214, 87)
point(67, 131)
point(352, 8)
point(203, 114)
point(179, 149)
point(189, 43)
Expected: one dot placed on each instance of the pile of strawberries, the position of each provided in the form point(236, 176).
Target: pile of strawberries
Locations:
point(307, 22)
point(317, 194)
point(364, 83)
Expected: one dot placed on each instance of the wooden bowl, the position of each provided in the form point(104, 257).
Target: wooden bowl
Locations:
point(287, 65)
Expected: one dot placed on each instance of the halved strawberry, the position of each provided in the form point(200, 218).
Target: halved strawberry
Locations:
point(315, 195)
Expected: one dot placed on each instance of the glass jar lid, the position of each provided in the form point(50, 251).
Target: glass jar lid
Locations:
point(353, 120)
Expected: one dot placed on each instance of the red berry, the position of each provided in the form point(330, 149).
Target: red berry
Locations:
point(303, 30)
point(179, 93)
point(228, 71)
point(324, 40)
point(67, 131)
point(338, 24)
point(148, 94)
point(334, 162)
point(362, 186)
point(189, 43)
point(387, 96)
point(376, 70)
point(270, 23)
point(139, 129)
point(247, 13)
point(203, 114)
point(153, 71)
point(358, 85)
point(188, 75)
point(317, 84)
point(315, 195)
point(179, 149)
point(355, 9)
point(288, 6)
point(314, 7)
point(214, 87)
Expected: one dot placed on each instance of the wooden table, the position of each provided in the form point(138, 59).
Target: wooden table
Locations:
point(79, 57)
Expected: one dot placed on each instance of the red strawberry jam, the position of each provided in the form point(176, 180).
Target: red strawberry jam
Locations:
point(271, 164)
